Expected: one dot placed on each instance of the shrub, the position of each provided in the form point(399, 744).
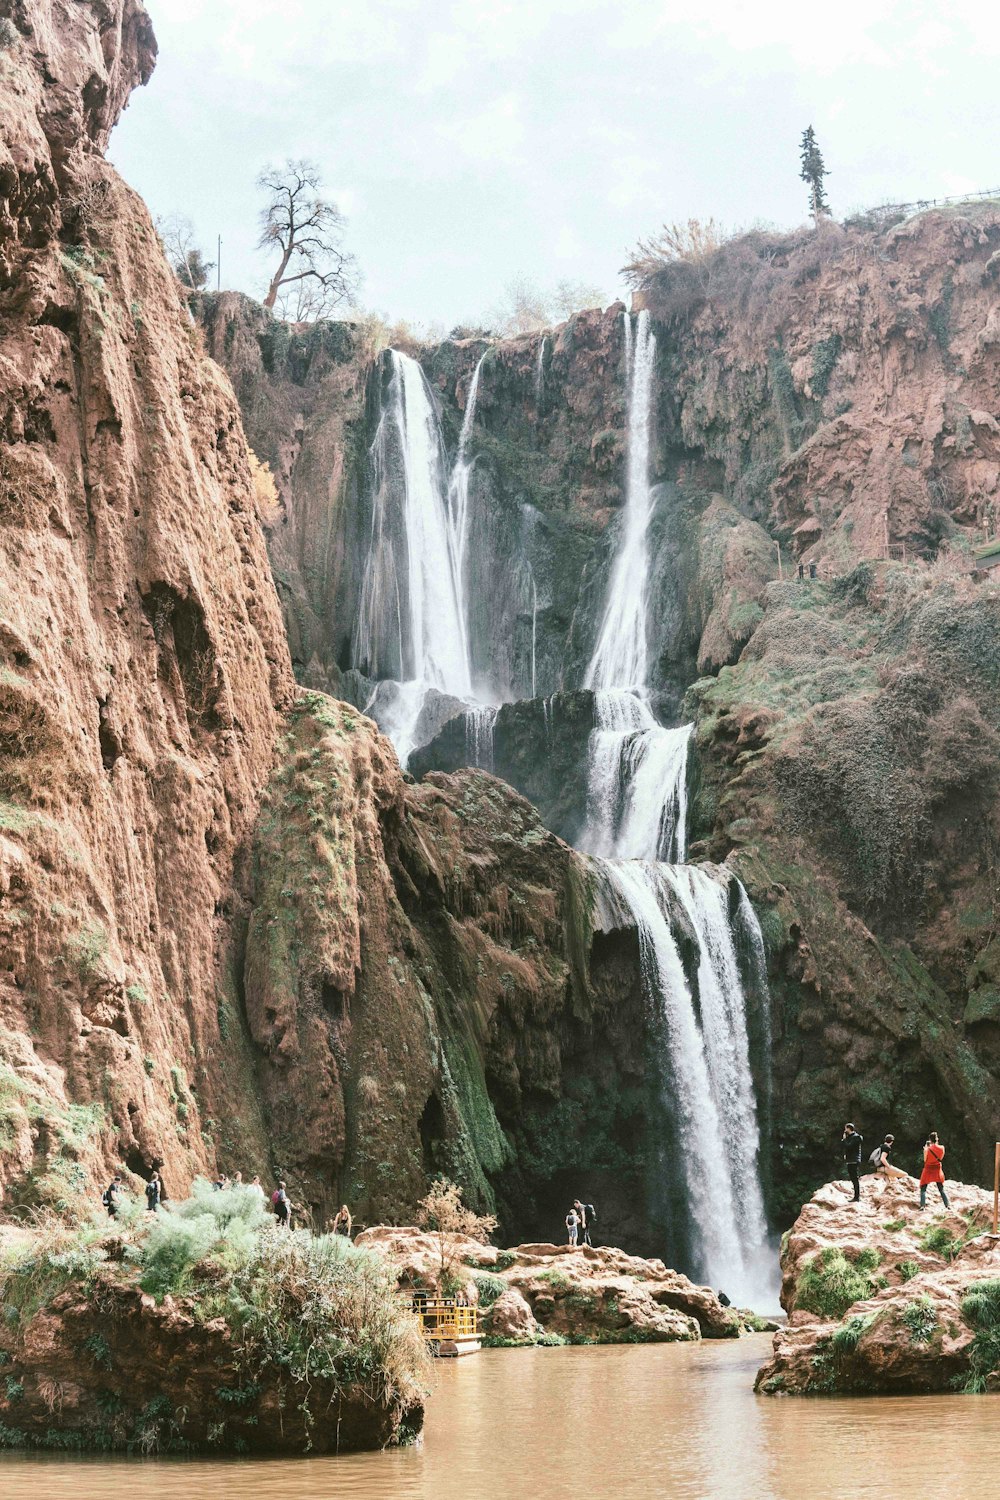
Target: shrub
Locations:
point(829, 1283)
point(848, 1335)
point(981, 1311)
point(939, 1240)
point(920, 1318)
point(908, 1269)
point(895, 1225)
point(489, 1288)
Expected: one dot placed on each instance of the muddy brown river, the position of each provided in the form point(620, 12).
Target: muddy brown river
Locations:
point(673, 1420)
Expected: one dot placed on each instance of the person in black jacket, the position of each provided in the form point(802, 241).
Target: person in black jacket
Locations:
point(852, 1141)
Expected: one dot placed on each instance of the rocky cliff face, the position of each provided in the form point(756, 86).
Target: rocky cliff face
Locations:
point(434, 990)
point(142, 657)
point(836, 394)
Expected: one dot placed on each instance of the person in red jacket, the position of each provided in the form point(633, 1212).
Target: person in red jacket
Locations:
point(933, 1171)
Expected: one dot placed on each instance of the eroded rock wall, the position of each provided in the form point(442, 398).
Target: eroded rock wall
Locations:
point(142, 656)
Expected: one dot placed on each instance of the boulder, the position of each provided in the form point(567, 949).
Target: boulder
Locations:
point(510, 1320)
point(876, 1293)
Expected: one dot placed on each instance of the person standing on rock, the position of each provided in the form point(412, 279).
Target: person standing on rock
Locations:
point(572, 1225)
point(933, 1170)
point(852, 1141)
point(153, 1193)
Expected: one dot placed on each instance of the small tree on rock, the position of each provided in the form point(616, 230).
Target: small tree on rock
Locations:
point(813, 172)
point(443, 1214)
point(305, 230)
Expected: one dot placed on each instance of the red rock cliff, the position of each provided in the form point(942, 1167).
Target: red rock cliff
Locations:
point(142, 656)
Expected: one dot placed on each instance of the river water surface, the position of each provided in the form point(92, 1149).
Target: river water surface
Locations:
point(673, 1420)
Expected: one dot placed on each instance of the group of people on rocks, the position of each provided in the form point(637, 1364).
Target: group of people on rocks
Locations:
point(852, 1142)
point(281, 1204)
point(580, 1222)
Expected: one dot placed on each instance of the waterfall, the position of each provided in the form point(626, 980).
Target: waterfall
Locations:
point(636, 827)
point(637, 783)
point(620, 656)
point(480, 724)
point(534, 633)
point(412, 621)
point(540, 375)
point(458, 485)
point(705, 1072)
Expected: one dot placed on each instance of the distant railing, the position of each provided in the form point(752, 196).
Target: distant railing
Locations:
point(882, 211)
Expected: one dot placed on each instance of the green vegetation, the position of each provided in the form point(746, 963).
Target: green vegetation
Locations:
point(303, 1310)
point(848, 1335)
point(829, 1283)
point(557, 1280)
point(920, 1318)
point(895, 1225)
point(908, 1269)
point(489, 1288)
point(939, 1240)
point(981, 1311)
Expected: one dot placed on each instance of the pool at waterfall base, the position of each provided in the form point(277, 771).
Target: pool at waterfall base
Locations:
point(678, 1421)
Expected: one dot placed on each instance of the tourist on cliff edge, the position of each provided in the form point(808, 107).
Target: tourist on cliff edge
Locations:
point(880, 1159)
point(933, 1170)
point(852, 1141)
point(572, 1224)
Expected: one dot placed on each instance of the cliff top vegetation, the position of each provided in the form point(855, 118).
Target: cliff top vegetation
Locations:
point(285, 1319)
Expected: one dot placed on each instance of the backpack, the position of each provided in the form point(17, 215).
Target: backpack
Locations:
point(591, 1213)
point(106, 1198)
point(876, 1157)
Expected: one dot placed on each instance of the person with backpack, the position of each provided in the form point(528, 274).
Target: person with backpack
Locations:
point(281, 1203)
point(572, 1225)
point(153, 1190)
point(112, 1198)
point(587, 1215)
point(880, 1159)
point(933, 1170)
point(851, 1142)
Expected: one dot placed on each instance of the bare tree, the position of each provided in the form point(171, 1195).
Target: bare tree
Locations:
point(305, 230)
point(573, 296)
point(189, 263)
point(453, 1224)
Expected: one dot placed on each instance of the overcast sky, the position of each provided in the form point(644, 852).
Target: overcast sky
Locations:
point(470, 143)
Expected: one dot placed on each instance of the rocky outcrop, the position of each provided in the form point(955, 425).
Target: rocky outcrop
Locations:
point(106, 1366)
point(142, 657)
point(884, 1297)
point(584, 1295)
point(99, 1355)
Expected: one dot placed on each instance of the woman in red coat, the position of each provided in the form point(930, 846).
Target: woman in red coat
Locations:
point(933, 1172)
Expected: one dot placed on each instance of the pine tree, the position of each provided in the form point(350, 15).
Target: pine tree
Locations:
point(813, 172)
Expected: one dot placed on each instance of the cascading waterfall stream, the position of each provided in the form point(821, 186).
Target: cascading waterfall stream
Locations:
point(412, 616)
point(620, 656)
point(636, 827)
point(637, 782)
